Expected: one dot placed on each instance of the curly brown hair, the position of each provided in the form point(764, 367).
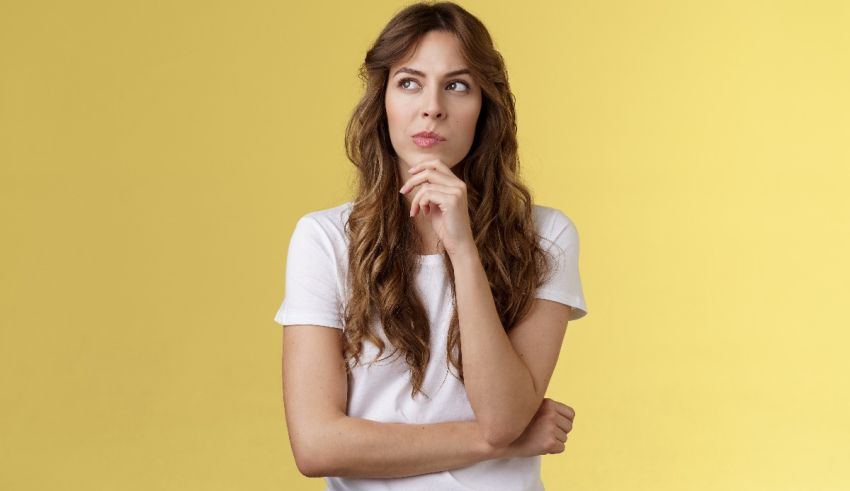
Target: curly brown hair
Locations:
point(383, 240)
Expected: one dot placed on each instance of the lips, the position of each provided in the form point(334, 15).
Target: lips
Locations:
point(427, 139)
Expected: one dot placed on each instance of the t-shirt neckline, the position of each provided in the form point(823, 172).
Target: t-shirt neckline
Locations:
point(431, 258)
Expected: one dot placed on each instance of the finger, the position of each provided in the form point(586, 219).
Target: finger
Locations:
point(559, 448)
point(435, 164)
point(565, 410)
point(427, 200)
point(444, 191)
point(561, 435)
point(428, 206)
point(563, 423)
point(430, 200)
point(429, 175)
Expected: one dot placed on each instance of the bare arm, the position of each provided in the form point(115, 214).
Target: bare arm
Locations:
point(506, 376)
point(362, 448)
point(326, 442)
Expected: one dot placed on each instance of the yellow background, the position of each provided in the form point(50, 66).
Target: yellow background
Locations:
point(156, 156)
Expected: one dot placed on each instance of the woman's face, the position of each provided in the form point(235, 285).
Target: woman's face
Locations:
point(425, 94)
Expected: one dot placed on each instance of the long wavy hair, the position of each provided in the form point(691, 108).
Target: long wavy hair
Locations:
point(383, 241)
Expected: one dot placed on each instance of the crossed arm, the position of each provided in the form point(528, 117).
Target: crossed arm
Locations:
point(506, 376)
point(326, 442)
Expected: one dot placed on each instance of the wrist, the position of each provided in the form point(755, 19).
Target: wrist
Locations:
point(466, 254)
point(495, 452)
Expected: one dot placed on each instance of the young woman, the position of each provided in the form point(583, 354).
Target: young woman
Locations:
point(425, 317)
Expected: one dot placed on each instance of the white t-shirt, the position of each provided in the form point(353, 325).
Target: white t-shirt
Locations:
point(316, 268)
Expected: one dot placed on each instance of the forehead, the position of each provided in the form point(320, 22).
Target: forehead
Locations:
point(436, 51)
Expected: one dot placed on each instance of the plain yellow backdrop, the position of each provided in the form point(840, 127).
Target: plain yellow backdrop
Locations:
point(156, 156)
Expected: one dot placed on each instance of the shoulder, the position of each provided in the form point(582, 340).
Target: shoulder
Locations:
point(328, 222)
point(330, 218)
point(321, 233)
point(551, 222)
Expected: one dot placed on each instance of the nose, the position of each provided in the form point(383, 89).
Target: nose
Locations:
point(434, 107)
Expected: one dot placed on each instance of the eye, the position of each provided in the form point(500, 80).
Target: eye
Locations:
point(402, 81)
point(462, 83)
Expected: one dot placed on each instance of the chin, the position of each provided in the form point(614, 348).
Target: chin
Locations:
point(428, 153)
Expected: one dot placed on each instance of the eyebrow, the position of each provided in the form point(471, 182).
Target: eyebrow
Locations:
point(421, 74)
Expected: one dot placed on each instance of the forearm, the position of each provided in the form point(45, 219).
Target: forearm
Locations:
point(355, 447)
point(498, 383)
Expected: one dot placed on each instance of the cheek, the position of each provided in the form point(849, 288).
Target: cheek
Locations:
point(470, 120)
point(394, 114)
point(470, 114)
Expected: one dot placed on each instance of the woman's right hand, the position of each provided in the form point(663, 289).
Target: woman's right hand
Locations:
point(547, 431)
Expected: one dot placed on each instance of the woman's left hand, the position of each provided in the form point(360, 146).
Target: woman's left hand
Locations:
point(442, 196)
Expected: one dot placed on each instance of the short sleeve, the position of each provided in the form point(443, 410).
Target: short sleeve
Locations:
point(312, 293)
point(564, 283)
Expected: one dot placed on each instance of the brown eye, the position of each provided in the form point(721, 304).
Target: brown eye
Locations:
point(462, 83)
point(402, 81)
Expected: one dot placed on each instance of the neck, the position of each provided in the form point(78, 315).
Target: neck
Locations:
point(428, 239)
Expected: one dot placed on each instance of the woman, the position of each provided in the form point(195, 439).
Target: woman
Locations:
point(443, 263)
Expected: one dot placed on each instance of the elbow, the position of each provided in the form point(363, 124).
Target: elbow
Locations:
point(313, 456)
point(310, 458)
point(308, 465)
point(502, 432)
point(501, 435)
